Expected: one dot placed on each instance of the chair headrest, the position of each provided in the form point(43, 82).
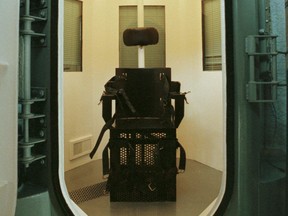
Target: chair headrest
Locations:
point(142, 36)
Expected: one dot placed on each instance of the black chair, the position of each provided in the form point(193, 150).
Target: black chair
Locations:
point(142, 164)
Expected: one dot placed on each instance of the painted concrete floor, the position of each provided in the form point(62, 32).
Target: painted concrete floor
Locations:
point(196, 189)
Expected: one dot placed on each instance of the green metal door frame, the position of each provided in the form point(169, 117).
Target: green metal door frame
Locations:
point(245, 120)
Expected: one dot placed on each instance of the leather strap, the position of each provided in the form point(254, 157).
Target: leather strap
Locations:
point(107, 126)
point(105, 161)
point(182, 162)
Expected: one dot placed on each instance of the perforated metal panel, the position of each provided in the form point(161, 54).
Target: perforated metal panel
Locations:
point(123, 156)
point(88, 193)
point(145, 154)
point(143, 165)
point(138, 154)
point(169, 133)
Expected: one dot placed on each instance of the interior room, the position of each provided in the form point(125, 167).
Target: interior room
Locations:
point(186, 100)
point(202, 130)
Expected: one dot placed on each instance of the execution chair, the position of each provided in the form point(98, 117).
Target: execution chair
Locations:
point(140, 157)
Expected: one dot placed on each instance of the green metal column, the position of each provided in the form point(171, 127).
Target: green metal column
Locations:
point(247, 116)
point(259, 185)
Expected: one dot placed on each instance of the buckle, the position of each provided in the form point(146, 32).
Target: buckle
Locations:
point(105, 176)
point(151, 188)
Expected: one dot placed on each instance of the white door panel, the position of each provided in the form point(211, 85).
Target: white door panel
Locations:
point(9, 19)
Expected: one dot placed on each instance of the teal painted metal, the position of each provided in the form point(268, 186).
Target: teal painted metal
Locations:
point(247, 133)
point(258, 191)
point(262, 68)
point(36, 205)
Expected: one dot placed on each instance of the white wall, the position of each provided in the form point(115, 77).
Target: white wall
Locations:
point(201, 131)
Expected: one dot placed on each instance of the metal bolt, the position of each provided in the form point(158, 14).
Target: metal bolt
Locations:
point(261, 31)
point(42, 121)
point(42, 13)
point(41, 133)
point(42, 2)
point(42, 41)
point(41, 92)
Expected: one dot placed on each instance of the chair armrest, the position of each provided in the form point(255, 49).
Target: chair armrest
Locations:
point(107, 106)
point(179, 107)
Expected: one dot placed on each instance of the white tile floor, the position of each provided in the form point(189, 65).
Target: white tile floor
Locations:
point(196, 189)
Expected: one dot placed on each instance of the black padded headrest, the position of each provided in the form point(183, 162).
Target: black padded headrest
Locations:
point(140, 36)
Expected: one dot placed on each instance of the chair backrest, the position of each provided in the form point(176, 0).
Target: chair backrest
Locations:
point(145, 88)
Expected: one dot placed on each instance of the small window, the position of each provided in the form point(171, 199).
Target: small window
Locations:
point(128, 56)
point(211, 36)
point(154, 16)
point(73, 35)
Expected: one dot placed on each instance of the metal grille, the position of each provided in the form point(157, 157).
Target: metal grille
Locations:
point(159, 135)
point(138, 153)
point(149, 154)
point(123, 156)
point(125, 136)
point(146, 154)
point(88, 193)
point(143, 135)
point(147, 159)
